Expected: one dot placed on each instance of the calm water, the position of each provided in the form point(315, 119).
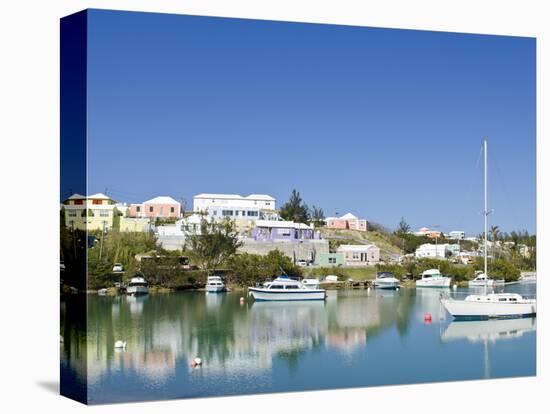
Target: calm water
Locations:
point(355, 338)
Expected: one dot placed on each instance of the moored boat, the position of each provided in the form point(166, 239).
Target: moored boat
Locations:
point(215, 284)
point(386, 280)
point(283, 288)
point(433, 278)
point(482, 280)
point(494, 305)
point(491, 306)
point(137, 286)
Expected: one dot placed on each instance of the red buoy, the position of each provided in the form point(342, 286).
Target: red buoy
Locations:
point(428, 317)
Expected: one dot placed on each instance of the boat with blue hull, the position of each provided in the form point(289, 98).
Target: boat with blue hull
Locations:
point(283, 288)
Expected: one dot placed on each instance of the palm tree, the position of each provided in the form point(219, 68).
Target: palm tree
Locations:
point(495, 232)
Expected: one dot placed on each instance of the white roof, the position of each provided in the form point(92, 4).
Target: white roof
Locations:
point(97, 196)
point(236, 196)
point(282, 224)
point(355, 247)
point(348, 216)
point(161, 200)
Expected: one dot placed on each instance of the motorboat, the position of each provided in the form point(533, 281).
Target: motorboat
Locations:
point(285, 288)
point(137, 286)
point(386, 280)
point(215, 284)
point(491, 306)
point(311, 283)
point(433, 278)
point(482, 280)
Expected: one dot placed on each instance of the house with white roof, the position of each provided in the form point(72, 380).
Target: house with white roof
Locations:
point(273, 230)
point(346, 222)
point(158, 207)
point(244, 211)
point(94, 212)
point(359, 254)
point(440, 251)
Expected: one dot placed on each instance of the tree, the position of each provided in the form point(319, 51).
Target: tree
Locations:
point(216, 242)
point(295, 209)
point(403, 228)
point(495, 232)
point(317, 216)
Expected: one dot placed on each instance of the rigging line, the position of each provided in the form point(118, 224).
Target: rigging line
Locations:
point(470, 191)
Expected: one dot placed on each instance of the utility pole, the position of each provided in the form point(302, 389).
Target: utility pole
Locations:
point(102, 237)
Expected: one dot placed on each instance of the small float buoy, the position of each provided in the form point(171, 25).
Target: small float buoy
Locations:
point(241, 299)
point(455, 286)
point(428, 318)
point(397, 289)
point(120, 345)
point(196, 362)
point(368, 289)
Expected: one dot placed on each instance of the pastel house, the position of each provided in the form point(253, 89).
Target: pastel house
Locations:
point(158, 207)
point(346, 222)
point(272, 230)
point(135, 224)
point(94, 212)
point(359, 254)
point(330, 259)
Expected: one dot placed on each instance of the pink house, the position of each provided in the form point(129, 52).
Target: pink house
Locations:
point(158, 207)
point(346, 222)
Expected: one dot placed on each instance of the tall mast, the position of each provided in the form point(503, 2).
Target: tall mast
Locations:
point(485, 209)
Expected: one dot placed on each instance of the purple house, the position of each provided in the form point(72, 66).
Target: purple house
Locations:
point(269, 230)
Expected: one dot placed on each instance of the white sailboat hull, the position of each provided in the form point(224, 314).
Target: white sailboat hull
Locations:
point(261, 294)
point(462, 309)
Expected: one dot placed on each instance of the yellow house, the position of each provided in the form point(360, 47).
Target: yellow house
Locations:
point(95, 212)
point(134, 224)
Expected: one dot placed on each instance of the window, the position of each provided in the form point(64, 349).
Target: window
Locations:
point(104, 213)
point(162, 211)
point(172, 209)
point(72, 213)
point(276, 287)
point(243, 213)
point(227, 213)
point(96, 202)
point(78, 202)
point(151, 208)
point(138, 209)
point(332, 260)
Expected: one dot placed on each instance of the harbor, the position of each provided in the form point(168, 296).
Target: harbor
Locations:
point(356, 337)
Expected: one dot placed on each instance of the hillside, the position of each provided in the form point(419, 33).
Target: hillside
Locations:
point(383, 241)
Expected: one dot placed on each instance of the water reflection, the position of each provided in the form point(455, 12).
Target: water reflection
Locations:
point(244, 347)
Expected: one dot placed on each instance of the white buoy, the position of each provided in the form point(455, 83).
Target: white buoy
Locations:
point(455, 286)
point(120, 345)
point(368, 289)
point(197, 361)
point(396, 289)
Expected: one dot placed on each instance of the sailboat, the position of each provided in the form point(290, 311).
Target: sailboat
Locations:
point(493, 305)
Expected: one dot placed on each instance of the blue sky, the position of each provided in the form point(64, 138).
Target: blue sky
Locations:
point(383, 123)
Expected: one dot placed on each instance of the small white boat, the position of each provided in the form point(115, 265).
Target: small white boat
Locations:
point(482, 280)
point(215, 284)
point(491, 306)
point(285, 288)
point(433, 278)
point(528, 277)
point(386, 280)
point(137, 286)
point(311, 283)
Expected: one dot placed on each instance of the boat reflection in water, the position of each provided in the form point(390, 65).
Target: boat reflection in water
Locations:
point(489, 331)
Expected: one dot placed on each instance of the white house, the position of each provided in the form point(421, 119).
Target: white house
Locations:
point(457, 235)
point(359, 254)
point(436, 250)
point(204, 202)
